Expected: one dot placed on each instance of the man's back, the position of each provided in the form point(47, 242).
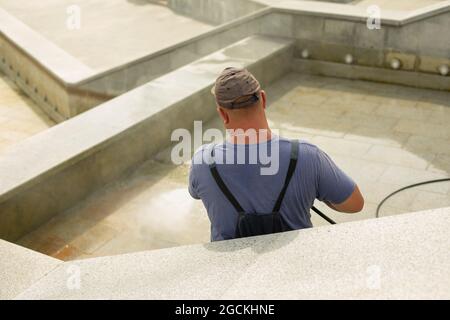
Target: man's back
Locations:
point(316, 176)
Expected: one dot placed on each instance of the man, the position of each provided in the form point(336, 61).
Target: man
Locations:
point(240, 200)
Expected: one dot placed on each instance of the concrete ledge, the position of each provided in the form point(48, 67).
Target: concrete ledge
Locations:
point(53, 170)
point(215, 11)
point(341, 70)
point(63, 87)
point(20, 268)
point(429, 11)
point(399, 257)
point(356, 13)
point(37, 66)
point(43, 52)
point(330, 39)
point(110, 83)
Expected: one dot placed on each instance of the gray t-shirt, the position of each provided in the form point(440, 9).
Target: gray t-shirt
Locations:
point(316, 177)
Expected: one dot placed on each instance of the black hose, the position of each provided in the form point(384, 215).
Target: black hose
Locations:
point(321, 214)
point(405, 188)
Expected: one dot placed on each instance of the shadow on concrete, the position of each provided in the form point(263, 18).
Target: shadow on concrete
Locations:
point(258, 245)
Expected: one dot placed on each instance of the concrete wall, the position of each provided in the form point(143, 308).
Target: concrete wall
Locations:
point(401, 77)
point(215, 11)
point(63, 87)
point(40, 68)
point(329, 39)
point(45, 90)
point(34, 79)
point(121, 80)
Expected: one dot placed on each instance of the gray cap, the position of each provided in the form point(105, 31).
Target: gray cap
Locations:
point(236, 88)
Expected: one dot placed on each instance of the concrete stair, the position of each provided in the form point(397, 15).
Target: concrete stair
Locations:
point(21, 268)
point(399, 257)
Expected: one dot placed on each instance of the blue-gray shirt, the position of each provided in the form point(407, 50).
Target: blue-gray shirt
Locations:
point(316, 177)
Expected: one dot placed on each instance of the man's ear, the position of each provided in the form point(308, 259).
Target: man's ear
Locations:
point(263, 99)
point(224, 115)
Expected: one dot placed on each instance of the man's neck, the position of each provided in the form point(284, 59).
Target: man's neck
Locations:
point(249, 136)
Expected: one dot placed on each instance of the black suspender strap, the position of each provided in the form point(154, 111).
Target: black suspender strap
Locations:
point(290, 173)
point(232, 199)
point(222, 185)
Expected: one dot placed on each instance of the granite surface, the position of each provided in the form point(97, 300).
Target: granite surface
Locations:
point(400, 257)
point(20, 268)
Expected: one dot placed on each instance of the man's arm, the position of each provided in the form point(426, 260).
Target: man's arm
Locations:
point(335, 188)
point(353, 204)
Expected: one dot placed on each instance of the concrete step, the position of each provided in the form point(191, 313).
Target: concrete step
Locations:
point(21, 268)
point(400, 257)
point(52, 171)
